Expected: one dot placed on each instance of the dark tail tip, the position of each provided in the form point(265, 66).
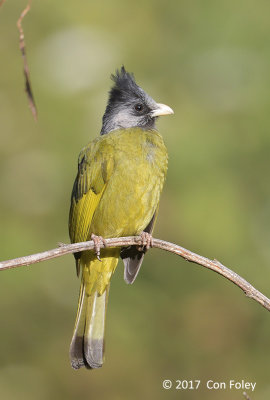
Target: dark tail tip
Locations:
point(76, 353)
point(90, 357)
point(93, 353)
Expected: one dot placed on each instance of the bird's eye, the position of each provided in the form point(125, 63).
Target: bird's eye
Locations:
point(138, 107)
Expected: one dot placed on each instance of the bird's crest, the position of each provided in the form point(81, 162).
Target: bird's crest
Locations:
point(124, 86)
point(123, 79)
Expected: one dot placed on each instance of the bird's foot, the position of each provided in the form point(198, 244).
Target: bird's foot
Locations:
point(146, 241)
point(98, 240)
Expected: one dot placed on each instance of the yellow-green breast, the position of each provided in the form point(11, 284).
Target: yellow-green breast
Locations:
point(137, 167)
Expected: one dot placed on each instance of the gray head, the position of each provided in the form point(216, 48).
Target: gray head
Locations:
point(129, 106)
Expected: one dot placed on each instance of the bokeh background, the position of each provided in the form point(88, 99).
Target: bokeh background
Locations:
point(208, 60)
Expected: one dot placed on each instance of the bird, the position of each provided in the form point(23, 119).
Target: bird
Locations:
point(116, 193)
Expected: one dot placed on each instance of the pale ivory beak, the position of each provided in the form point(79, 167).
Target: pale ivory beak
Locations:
point(161, 109)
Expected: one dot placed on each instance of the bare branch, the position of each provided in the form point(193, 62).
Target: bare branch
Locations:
point(246, 396)
point(28, 88)
point(188, 255)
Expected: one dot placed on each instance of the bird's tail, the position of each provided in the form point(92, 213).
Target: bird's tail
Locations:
point(87, 345)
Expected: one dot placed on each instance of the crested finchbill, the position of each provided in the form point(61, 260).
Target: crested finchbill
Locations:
point(116, 193)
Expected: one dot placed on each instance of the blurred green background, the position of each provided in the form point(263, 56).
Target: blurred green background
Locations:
point(209, 61)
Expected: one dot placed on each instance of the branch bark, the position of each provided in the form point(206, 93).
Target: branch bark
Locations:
point(188, 255)
point(28, 87)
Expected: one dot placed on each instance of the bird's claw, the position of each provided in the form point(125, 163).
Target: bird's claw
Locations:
point(98, 240)
point(146, 241)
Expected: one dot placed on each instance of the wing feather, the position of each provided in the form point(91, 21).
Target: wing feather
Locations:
point(94, 170)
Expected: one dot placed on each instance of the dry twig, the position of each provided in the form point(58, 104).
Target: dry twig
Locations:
point(246, 396)
point(28, 88)
point(214, 265)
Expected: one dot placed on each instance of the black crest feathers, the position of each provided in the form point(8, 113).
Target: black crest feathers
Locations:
point(124, 86)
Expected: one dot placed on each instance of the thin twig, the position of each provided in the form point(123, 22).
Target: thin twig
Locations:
point(188, 255)
point(246, 396)
point(28, 88)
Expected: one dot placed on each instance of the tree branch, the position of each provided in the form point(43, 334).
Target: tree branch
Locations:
point(214, 265)
point(28, 87)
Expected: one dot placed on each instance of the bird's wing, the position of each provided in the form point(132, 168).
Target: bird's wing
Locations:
point(94, 170)
point(133, 258)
